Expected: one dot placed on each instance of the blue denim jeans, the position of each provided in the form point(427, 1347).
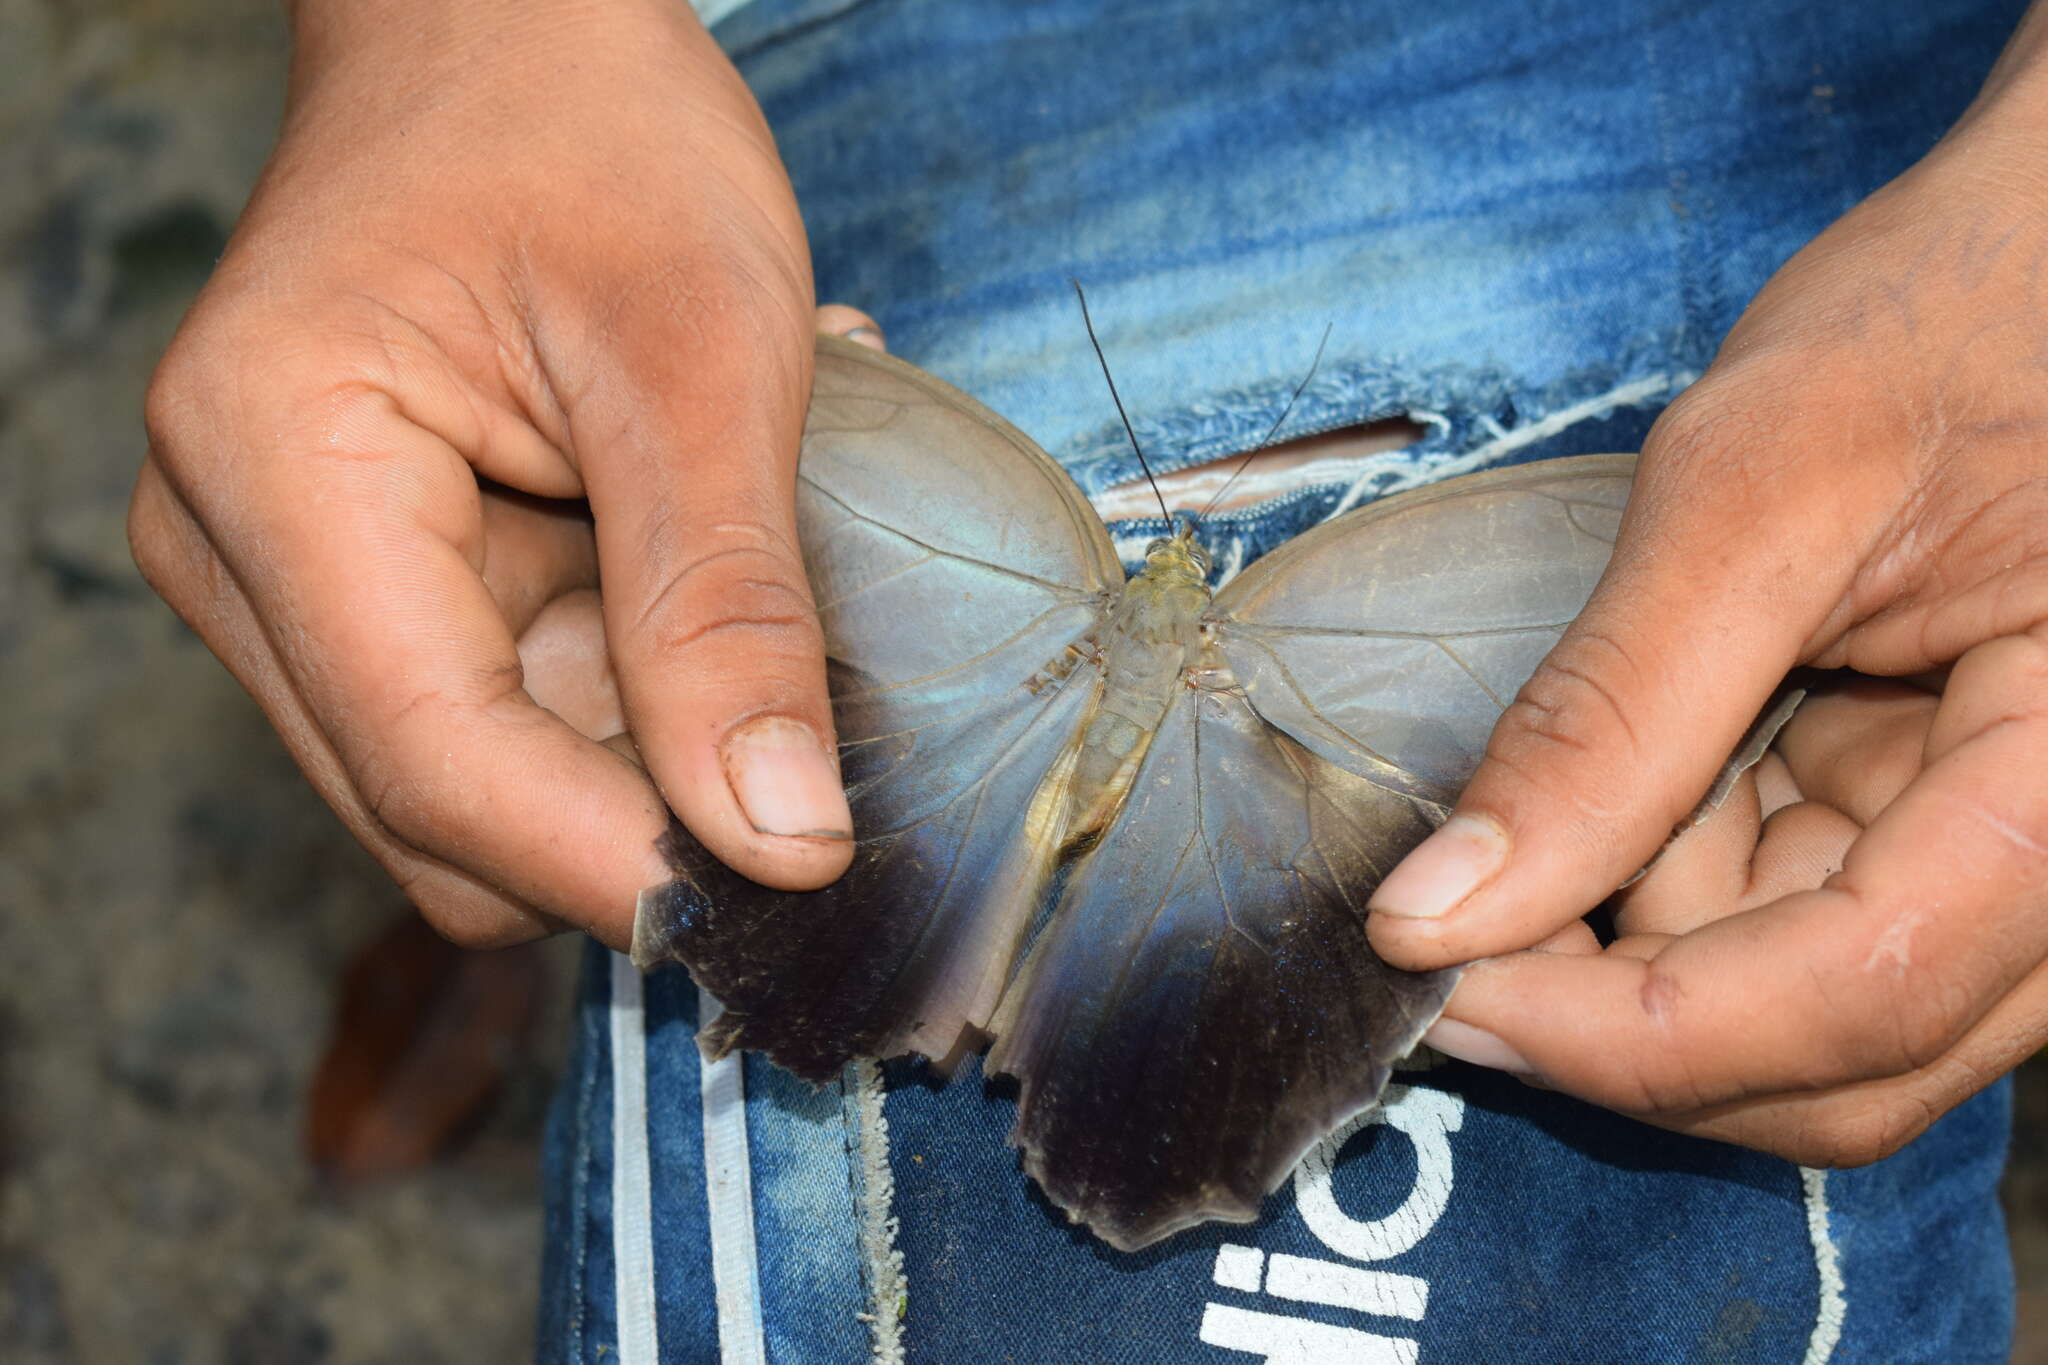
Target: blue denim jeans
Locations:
point(1527, 226)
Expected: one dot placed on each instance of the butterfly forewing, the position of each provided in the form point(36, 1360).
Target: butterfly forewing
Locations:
point(954, 565)
point(1391, 639)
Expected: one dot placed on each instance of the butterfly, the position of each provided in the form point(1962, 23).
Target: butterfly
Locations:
point(1122, 830)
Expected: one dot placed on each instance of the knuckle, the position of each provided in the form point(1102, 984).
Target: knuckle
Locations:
point(172, 553)
point(720, 299)
point(405, 769)
point(167, 403)
point(151, 542)
point(403, 805)
point(468, 926)
point(1929, 1018)
point(1740, 451)
point(259, 384)
point(740, 587)
point(1573, 711)
point(1670, 1084)
point(1708, 423)
point(1896, 1015)
point(1856, 1131)
point(1666, 1074)
point(1733, 452)
point(1722, 423)
point(221, 343)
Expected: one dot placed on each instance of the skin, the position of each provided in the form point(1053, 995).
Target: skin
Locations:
point(1860, 480)
point(430, 397)
point(421, 349)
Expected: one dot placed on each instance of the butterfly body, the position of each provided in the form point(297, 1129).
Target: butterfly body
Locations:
point(1223, 779)
point(1152, 634)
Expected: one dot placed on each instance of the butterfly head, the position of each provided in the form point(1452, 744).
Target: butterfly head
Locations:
point(1178, 558)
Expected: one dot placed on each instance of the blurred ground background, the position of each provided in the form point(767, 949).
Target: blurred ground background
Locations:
point(176, 907)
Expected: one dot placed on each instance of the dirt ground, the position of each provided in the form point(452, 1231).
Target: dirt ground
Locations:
point(175, 904)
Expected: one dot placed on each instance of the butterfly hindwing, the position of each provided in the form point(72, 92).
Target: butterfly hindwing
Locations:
point(1204, 1006)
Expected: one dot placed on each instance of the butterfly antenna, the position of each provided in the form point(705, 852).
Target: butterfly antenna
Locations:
point(1264, 441)
point(1143, 464)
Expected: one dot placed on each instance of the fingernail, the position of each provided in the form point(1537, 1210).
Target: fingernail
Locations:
point(1443, 869)
point(868, 336)
point(785, 782)
point(1477, 1046)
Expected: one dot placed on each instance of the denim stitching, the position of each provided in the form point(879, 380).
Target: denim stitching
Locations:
point(849, 1128)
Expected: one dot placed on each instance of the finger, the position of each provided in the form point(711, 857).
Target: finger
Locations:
point(690, 458)
point(535, 550)
point(836, 319)
point(1940, 909)
point(1775, 786)
point(1855, 1124)
point(1800, 847)
point(356, 537)
point(1628, 720)
point(567, 669)
point(1858, 747)
point(1576, 937)
point(1735, 861)
point(181, 565)
point(1701, 876)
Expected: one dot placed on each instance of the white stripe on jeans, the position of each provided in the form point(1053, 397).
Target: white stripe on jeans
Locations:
point(632, 1211)
point(729, 1191)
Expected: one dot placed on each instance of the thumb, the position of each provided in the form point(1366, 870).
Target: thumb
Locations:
point(1707, 602)
point(708, 614)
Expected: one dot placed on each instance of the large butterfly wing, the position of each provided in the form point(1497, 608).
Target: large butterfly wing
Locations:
point(1205, 1004)
point(1391, 639)
point(952, 562)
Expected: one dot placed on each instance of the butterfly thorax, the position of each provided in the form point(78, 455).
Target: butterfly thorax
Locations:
point(1151, 636)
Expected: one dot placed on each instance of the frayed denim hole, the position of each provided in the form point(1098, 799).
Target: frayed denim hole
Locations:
point(1243, 480)
point(1226, 422)
point(1473, 420)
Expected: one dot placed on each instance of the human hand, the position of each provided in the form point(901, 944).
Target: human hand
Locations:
point(1860, 481)
point(505, 259)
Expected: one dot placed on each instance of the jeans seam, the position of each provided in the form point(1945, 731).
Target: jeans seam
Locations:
point(579, 1197)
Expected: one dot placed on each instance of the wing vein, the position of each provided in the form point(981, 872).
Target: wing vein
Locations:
point(1308, 703)
point(872, 584)
point(1068, 590)
point(1469, 672)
